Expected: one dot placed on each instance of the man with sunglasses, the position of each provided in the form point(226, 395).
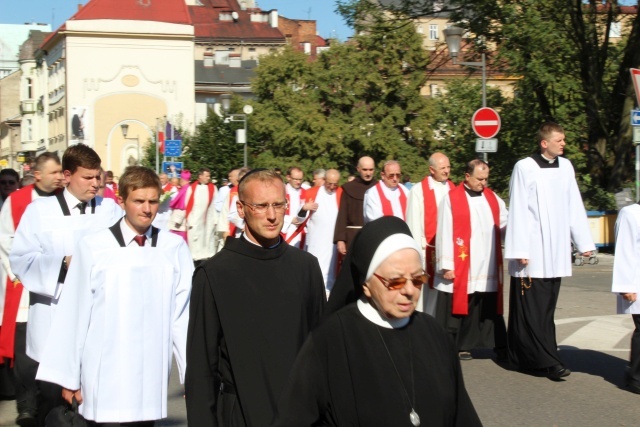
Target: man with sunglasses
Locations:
point(388, 197)
point(471, 223)
point(252, 306)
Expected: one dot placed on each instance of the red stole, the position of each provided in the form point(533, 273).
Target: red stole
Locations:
point(431, 225)
point(232, 193)
point(461, 243)
point(387, 209)
point(19, 201)
point(191, 200)
point(167, 187)
point(310, 196)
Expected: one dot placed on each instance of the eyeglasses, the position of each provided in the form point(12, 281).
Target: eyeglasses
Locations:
point(393, 175)
point(4, 182)
point(262, 207)
point(399, 282)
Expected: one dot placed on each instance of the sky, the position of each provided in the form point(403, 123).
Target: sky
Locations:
point(55, 12)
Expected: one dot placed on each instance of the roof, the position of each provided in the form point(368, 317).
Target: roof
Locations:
point(169, 11)
point(29, 47)
point(207, 23)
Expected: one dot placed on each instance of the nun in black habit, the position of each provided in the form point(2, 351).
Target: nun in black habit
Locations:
point(376, 361)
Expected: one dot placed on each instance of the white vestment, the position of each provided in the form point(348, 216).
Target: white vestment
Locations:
point(122, 312)
point(293, 196)
point(320, 229)
point(415, 221)
point(545, 214)
point(43, 238)
point(7, 232)
point(161, 220)
point(372, 206)
point(201, 223)
point(483, 276)
point(626, 264)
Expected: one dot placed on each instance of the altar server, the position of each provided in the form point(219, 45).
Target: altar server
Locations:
point(44, 245)
point(124, 308)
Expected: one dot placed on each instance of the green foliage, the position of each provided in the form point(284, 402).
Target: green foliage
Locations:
point(358, 98)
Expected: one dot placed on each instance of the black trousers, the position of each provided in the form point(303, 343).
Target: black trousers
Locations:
point(633, 375)
point(49, 396)
point(483, 327)
point(532, 331)
point(25, 369)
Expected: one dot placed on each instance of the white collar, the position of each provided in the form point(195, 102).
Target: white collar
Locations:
point(128, 234)
point(548, 159)
point(72, 201)
point(374, 316)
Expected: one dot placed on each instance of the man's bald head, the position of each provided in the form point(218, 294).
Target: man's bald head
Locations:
point(439, 167)
point(331, 180)
point(366, 168)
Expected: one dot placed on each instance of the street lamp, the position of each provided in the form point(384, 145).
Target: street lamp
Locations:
point(241, 134)
point(453, 37)
point(125, 130)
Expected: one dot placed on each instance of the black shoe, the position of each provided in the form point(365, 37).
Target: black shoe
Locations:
point(27, 419)
point(557, 372)
point(464, 355)
point(633, 388)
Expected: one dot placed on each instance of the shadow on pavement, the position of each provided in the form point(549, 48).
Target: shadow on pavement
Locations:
point(611, 368)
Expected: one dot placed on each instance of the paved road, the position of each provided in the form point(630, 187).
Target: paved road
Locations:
point(594, 344)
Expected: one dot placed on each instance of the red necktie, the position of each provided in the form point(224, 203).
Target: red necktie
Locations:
point(140, 240)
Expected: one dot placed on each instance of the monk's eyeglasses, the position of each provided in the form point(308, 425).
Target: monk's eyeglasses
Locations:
point(261, 208)
point(399, 282)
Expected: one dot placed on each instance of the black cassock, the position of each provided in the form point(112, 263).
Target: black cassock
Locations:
point(343, 376)
point(251, 310)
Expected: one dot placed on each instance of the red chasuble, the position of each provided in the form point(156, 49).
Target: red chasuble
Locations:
point(431, 225)
point(19, 201)
point(387, 209)
point(461, 243)
point(232, 193)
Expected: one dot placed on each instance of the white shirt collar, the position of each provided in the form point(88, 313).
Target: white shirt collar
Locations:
point(374, 316)
point(72, 202)
point(548, 159)
point(128, 234)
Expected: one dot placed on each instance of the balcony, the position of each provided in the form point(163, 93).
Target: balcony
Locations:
point(28, 107)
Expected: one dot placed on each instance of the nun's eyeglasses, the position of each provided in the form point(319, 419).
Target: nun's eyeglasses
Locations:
point(399, 282)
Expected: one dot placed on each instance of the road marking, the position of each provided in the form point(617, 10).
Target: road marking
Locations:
point(600, 333)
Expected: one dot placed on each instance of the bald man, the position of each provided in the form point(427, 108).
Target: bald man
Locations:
point(321, 210)
point(422, 218)
point(351, 214)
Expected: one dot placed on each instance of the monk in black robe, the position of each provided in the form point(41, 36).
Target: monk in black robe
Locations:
point(252, 306)
point(378, 362)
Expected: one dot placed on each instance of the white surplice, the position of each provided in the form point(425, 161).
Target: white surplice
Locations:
point(7, 233)
point(122, 312)
point(545, 214)
point(201, 223)
point(161, 220)
point(320, 229)
point(295, 203)
point(373, 206)
point(482, 248)
point(415, 209)
point(626, 264)
point(43, 238)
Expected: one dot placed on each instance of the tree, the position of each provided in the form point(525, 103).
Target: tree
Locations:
point(358, 98)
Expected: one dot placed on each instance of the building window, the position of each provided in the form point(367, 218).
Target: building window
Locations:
point(29, 89)
point(433, 31)
point(252, 49)
point(29, 130)
point(420, 30)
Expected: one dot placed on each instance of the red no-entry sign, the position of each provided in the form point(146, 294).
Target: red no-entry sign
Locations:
point(486, 122)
